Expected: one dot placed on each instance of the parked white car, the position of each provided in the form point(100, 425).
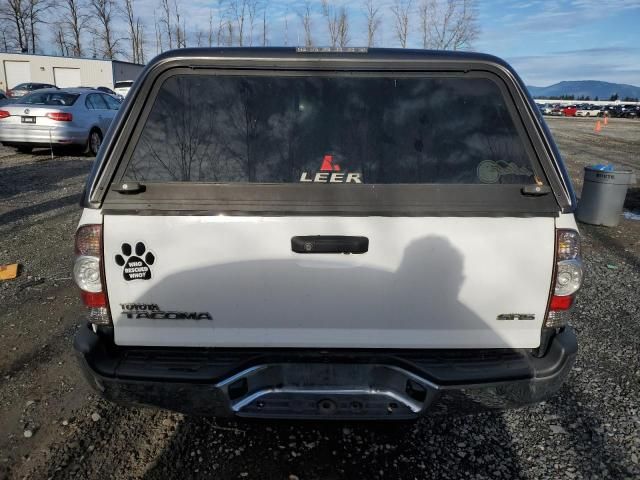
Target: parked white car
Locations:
point(122, 88)
point(58, 118)
point(589, 111)
point(546, 109)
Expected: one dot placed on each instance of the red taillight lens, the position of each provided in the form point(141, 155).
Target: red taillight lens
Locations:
point(60, 116)
point(87, 273)
point(4, 114)
point(561, 303)
point(568, 278)
point(93, 300)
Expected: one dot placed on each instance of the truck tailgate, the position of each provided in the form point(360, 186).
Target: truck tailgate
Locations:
point(234, 281)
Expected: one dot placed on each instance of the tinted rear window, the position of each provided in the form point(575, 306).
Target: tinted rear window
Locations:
point(122, 84)
point(50, 98)
point(384, 130)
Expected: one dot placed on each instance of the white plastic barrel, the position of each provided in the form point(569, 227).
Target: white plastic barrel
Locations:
point(603, 194)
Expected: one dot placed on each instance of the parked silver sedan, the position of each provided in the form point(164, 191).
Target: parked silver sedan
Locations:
point(56, 118)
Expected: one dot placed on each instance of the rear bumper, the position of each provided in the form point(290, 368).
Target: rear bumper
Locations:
point(336, 384)
point(42, 137)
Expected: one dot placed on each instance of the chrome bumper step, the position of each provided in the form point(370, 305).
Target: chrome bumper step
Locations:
point(308, 390)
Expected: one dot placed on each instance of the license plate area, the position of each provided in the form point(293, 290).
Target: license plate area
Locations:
point(26, 119)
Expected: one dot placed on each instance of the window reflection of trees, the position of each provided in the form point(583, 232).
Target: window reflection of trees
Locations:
point(181, 140)
point(269, 129)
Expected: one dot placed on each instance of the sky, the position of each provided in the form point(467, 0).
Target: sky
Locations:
point(547, 41)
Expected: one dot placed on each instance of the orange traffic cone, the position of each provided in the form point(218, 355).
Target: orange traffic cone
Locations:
point(598, 126)
point(606, 120)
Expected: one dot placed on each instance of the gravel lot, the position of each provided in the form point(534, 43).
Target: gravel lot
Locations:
point(53, 426)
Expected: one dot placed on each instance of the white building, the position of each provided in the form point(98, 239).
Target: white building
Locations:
point(63, 72)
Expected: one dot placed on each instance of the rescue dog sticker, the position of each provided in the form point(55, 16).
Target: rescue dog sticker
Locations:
point(138, 266)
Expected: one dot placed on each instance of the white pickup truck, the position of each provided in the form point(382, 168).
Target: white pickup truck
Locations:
point(342, 234)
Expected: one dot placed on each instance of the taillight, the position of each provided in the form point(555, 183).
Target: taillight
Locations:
point(60, 116)
point(4, 114)
point(87, 273)
point(568, 278)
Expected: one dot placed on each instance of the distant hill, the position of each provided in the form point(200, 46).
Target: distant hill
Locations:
point(587, 88)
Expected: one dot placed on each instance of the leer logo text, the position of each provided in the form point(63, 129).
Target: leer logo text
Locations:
point(330, 173)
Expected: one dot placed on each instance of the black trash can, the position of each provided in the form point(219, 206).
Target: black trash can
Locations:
point(603, 194)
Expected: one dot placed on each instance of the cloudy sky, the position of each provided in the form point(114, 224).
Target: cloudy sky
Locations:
point(546, 40)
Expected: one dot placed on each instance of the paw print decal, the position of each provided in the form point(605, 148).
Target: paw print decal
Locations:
point(136, 267)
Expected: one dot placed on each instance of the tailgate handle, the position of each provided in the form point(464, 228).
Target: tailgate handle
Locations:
point(329, 244)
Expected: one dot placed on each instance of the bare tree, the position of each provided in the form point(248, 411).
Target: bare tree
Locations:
point(199, 35)
point(181, 32)
point(5, 33)
point(425, 10)
point(14, 11)
point(135, 33)
point(401, 10)
point(210, 31)
point(158, 33)
point(252, 9)
point(238, 10)
point(452, 24)
point(372, 13)
point(103, 11)
point(75, 20)
point(140, 32)
point(21, 19)
point(167, 20)
point(131, 22)
point(24, 22)
point(337, 23)
point(329, 12)
point(243, 15)
point(264, 27)
point(229, 35)
point(343, 28)
point(178, 32)
point(36, 10)
point(305, 18)
point(286, 28)
point(60, 39)
point(221, 30)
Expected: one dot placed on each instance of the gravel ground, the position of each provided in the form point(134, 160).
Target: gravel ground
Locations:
point(53, 426)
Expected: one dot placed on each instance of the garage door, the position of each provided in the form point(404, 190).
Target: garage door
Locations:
point(66, 77)
point(16, 72)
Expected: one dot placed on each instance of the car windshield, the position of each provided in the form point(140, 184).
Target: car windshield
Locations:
point(50, 98)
